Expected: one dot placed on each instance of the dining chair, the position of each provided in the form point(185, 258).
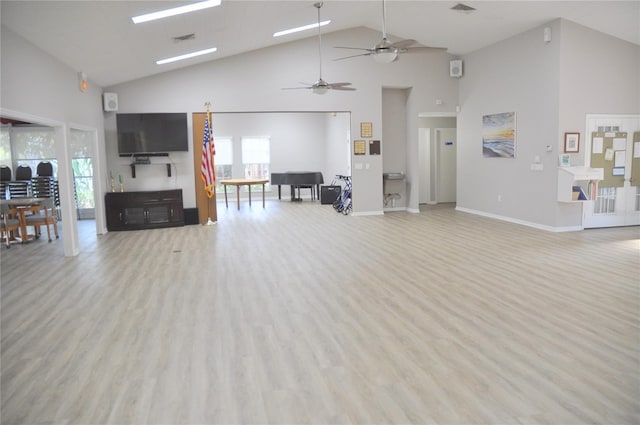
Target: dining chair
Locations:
point(9, 223)
point(43, 214)
point(5, 179)
point(23, 173)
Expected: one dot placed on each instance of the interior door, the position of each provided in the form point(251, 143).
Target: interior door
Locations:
point(446, 164)
point(613, 143)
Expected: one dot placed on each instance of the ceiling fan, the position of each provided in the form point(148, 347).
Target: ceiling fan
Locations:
point(321, 86)
point(386, 51)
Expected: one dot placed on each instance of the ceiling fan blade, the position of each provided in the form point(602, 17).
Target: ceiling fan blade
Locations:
point(296, 88)
point(352, 48)
point(354, 56)
point(422, 49)
point(342, 88)
point(334, 85)
point(403, 44)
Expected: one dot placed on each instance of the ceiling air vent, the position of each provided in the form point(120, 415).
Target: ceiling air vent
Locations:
point(462, 8)
point(186, 37)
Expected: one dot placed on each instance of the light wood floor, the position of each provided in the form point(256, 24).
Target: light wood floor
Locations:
point(296, 314)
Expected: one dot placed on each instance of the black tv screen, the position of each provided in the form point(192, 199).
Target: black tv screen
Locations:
point(152, 133)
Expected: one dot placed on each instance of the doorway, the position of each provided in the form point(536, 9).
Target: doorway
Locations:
point(612, 142)
point(437, 159)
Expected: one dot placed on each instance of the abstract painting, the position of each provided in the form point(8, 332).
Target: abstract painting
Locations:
point(499, 135)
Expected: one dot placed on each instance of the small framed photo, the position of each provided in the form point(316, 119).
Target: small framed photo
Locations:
point(565, 160)
point(571, 142)
point(366, 129)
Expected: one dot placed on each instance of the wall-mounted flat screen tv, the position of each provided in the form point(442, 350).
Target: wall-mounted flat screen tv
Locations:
point(152, 133)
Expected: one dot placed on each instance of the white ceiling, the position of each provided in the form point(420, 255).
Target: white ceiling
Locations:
point(99, 39)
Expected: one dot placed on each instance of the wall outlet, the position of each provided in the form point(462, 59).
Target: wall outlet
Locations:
point(499, 198)
point(537, 167)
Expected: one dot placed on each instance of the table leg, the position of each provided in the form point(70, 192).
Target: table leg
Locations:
point(262, 195)
point(279, 192)
point(238, 195)
point(226, 203)
point(249, 194)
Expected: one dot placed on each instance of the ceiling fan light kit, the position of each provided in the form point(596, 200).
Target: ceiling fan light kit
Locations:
point(385, 51)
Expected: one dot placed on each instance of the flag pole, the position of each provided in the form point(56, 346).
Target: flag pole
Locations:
point(209, 221)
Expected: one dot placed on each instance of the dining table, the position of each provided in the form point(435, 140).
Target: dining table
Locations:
point(22, 206)
point(242, 182)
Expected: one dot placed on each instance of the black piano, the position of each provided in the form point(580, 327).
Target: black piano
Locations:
point(297, 180)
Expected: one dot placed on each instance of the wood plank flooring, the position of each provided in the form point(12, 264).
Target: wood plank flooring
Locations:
point(296, 314)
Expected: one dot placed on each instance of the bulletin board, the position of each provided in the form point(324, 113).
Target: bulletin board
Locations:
point(608, 151)
point(635, 162)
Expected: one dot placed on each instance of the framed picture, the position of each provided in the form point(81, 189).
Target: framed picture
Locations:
point(366, 129)
point(359, 147)
point(374, 147)
point(499, 135)
point(571, 142)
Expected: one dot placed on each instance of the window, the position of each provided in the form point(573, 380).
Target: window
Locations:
point(32, 145)
point(223, 160)
point(256, 158)
point(5, 148)
point(82, 165)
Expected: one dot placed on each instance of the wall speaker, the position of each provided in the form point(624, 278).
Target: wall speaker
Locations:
point(455, 68)
point(110, 101)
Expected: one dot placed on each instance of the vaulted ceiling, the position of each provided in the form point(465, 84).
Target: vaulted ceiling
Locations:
point(99, 38)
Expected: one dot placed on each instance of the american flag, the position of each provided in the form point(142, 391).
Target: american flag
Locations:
point(208, 167)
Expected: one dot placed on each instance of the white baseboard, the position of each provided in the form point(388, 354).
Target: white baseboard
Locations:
point(521, 222)
point(395, 209)
point(366, 213)
point(413, 210)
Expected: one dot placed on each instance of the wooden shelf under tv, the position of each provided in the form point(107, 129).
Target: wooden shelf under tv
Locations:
point(144, 210)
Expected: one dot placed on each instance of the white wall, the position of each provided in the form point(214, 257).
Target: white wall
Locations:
point(598, 74)
point(253, 82)
point(551, 87)
point(516, 75)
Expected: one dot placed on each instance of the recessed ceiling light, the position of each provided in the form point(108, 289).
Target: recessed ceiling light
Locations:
point(302, 28)
point(175, 11)
point(186, 56)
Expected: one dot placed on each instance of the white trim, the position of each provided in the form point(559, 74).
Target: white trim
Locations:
point(521, 222)
point(413, 210)
point(8, 113)
point(392, 209)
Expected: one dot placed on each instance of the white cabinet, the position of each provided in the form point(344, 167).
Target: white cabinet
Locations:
point(585, 178)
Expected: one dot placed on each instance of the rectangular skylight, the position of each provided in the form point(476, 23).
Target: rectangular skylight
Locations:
point(175, 11)
point(302, 28)
point(187, 56)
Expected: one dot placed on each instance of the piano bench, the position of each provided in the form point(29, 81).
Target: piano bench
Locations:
point(311, 187)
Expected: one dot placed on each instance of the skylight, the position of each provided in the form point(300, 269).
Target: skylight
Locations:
point(175, 11)
point(187, 56)
point(302, 28)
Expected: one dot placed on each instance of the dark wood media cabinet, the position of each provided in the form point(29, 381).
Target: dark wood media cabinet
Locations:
point(144, 210)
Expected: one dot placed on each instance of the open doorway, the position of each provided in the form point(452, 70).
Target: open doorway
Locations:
point(45, 140)
point(437, 152)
